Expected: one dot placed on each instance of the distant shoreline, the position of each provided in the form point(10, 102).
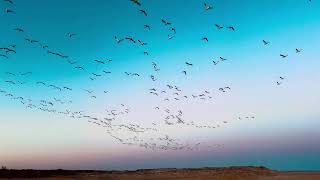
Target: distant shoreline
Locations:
point(233, 172)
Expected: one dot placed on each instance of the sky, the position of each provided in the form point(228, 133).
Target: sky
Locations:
point(284, 134)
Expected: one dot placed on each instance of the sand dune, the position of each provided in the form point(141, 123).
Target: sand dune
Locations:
point(227, 173)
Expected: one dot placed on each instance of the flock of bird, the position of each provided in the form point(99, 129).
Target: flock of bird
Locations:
point(111, 121)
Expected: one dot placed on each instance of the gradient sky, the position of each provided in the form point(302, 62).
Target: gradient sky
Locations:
point(284, 135)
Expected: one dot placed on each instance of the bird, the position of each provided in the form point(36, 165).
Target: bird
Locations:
point(205, 39)
point(283, 56)
point(265, 42)
point(18, 29)
point(170, 36)
point(143, 12)
point(218, 26)
point(222, 59)
point(146, 53)
point(278, 83)
point(130, 39)
point(79, 67)
point(135, 74)
point(207, 7)
point(188, 64)
point(231, 28)
point(107, 72)
point(173, 30)
point(118, 40)
point(142, 43)
point(215, 62)
point(97, 75)
point(165, 22)
point(98, 61)
point(7, 10)
point(184, 72)
point(5, 56)
point(26, 73)
point(70, 35)
point(298, 50)
point(67, 88)
point(146, 26)
point(136, 2)
point(282, 78)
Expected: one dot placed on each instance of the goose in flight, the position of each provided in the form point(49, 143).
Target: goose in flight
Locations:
point(135, 74)
point(223, 59)
point(173, 30)
point(298, 50)
point(218, 26)
point(118, 40)
point(205, 39)
point(130, 39)
point(79, 67)
point(98, 61)
point(67, 88)
point(215, 62)
point(146, 53)
point(5, 56)
point(31, 40)
point(207, 7)
point(142, 43)
point(283, 56)
point(188, 64)
point(143, 12)
point(282, 78)
point(165, 22)
point(146, 26)
point(265, 42)
point(107, 72)
point(7, 10)
point(18, 29)
point(136, 2)
point(70, 35)
point(170, 36)
point(97, 75)
point(231, 28)
point(26, 73)
point(153, 78)
point(10, 82)
point(184, 72)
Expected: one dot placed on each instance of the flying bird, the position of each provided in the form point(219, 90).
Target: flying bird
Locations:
point(188, 64)
point(265, 42)
point(218, 26)
point(231, 28)
point(143, 12)
point(146, 26)
point(70, 35)
point(215, 62)
point(207, 7)
point(283, 56)
point(118, 40)
point(165, 22)
point(7, 10)
point(98, 61)
point(298, 50)
point(205, 39)
point(18, 29)
point(136, 2)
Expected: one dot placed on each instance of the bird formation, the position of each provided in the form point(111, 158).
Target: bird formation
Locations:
point(112, 118)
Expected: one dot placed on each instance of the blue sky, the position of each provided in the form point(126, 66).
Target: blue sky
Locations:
point(287, 116)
